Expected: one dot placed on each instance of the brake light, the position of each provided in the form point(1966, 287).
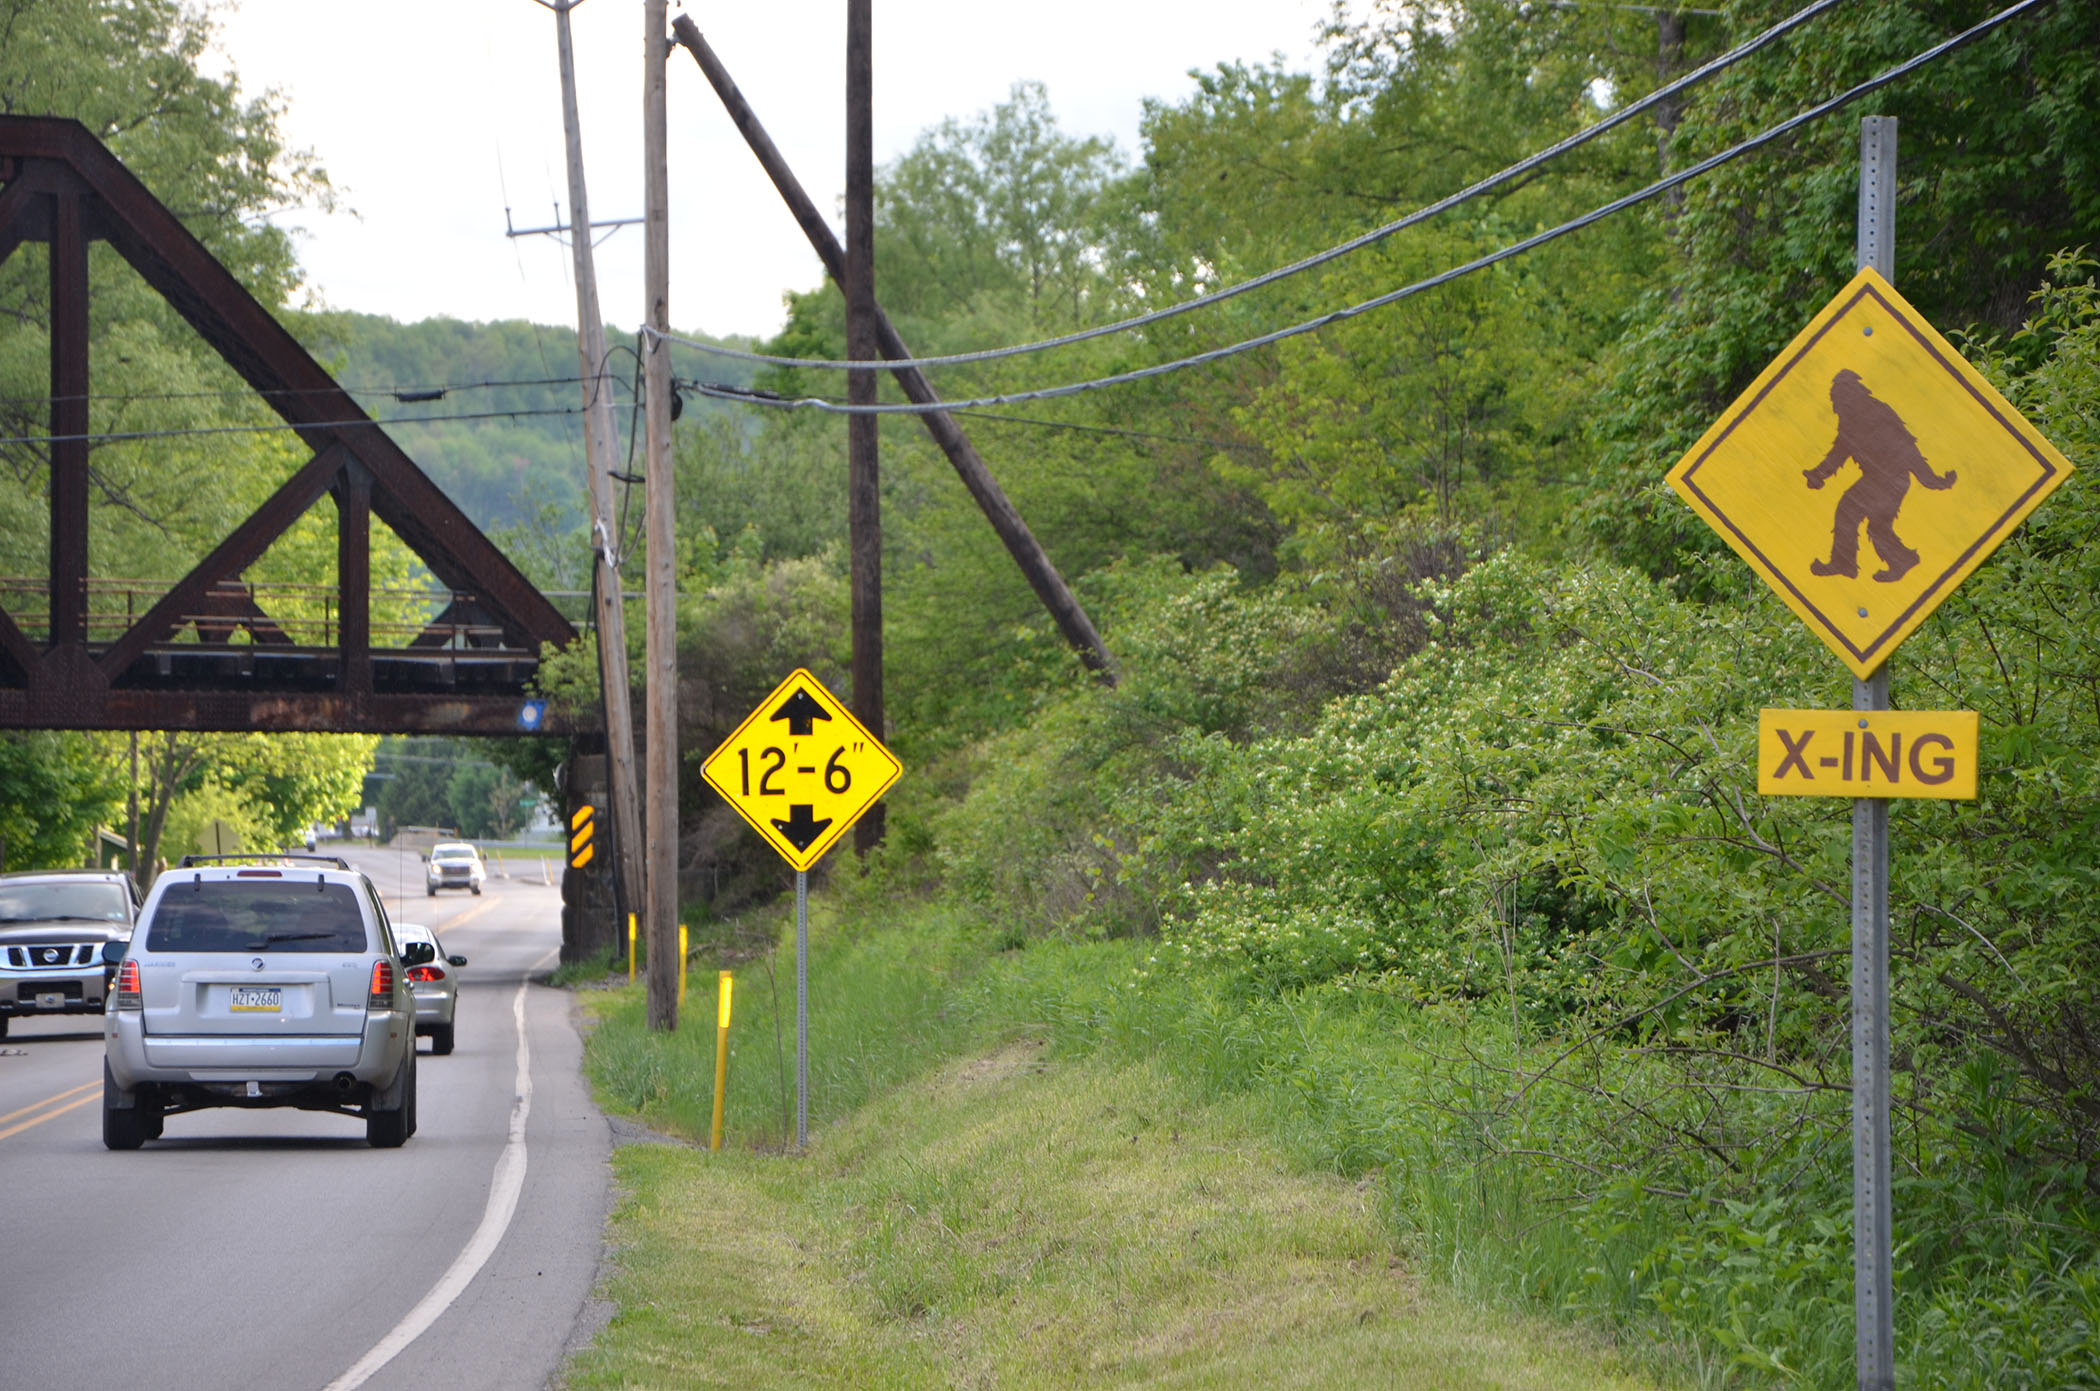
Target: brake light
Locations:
point(382, 996)
point(425, 974)
point(128, 996)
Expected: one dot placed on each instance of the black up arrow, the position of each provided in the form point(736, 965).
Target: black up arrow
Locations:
point(798, 710)
point(801, 828)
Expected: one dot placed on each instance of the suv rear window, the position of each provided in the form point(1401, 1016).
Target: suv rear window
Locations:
point(243, 916)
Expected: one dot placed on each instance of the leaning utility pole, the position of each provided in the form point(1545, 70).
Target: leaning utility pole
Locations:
point(661, 571)
point(1050, 587)
point(601, 449)
point(863, 466)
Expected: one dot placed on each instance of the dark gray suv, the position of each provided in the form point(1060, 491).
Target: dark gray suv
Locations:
point(55, 929)
point(262, 986)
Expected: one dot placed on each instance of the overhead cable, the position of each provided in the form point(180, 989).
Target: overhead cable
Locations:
point(1530, 243)
point(1475, 190)
point(124, 436)
point(406, 393)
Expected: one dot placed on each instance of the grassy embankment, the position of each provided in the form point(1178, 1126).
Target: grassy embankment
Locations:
point(1023, 1172)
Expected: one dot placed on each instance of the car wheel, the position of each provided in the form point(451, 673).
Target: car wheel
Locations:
point(3, 1026)
point(122, 1128)
point(433, 891)
point(477, 890)
point(385, 1130)
point(441, 1040)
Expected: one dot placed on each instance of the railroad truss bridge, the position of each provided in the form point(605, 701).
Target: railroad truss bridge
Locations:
point(208, 652)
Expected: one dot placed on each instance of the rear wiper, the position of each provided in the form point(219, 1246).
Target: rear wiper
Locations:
point(294, 937)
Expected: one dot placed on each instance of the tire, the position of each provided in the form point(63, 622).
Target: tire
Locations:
point(433, 891)
point(441, 1040)
point(386, 1130)
point(477, 890)
point(122, 1129)
point(3, 1025)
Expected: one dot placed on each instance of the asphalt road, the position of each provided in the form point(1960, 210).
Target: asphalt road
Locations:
point(275, 1248)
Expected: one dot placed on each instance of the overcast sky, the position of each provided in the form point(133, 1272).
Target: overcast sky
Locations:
point(431, 115)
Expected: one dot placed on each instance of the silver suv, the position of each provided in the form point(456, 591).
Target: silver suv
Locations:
point(262, 985)
point(56, 931)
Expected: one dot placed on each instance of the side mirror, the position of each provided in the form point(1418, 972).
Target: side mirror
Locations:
point(113, 950)
point(455, 961)
point(418, 954)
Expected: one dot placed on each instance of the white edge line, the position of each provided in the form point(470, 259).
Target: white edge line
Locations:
point(504, 1187)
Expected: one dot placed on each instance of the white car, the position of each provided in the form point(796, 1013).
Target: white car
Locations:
point(453, 864)
point(435, 987)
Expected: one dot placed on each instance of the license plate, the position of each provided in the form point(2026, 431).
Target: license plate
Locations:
point(265, 999)
point(54, 1000)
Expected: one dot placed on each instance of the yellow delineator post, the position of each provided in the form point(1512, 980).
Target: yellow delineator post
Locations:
point(630, 949)
point(681, 965)
point(714, 1139)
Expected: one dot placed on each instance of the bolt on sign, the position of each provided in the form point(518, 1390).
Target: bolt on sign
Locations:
point(1867, 472)
point(1867, 753)
point(801, 769)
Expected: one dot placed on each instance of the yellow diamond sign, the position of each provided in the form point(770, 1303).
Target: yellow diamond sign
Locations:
point(801, 769)
point(1867, 472)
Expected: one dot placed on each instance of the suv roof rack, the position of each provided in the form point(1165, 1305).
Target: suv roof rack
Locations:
point(191, 860)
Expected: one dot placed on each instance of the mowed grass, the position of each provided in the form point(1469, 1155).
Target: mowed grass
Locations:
point(1011, 1221)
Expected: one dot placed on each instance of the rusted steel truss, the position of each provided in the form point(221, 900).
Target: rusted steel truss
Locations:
point(179, 666)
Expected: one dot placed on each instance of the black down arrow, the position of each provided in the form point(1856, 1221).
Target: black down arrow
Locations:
point(799, 710)
point(801, 828)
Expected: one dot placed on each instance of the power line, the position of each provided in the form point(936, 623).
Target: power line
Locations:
point(407, 393)
point(1475, 190)
point(1408, 291)
point(123, 436)
point(716, 388)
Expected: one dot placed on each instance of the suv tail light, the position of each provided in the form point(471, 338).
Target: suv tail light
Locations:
point(382, 996)
point(425, 974)
point(128, 986)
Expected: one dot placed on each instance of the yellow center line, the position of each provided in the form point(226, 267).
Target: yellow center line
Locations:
point(39, 1105)
point(48, 1115)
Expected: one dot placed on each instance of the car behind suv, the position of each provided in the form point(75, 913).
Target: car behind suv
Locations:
point(262, 986)
point(454, 864)
point(55, 927)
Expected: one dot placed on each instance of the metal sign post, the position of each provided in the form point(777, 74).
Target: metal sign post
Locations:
point(1873, 1272)
point(801, 1009)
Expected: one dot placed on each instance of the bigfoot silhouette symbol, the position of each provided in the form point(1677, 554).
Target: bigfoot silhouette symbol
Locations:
point(1871, 433)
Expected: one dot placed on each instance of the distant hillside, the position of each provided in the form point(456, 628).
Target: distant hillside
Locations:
point(501, 468)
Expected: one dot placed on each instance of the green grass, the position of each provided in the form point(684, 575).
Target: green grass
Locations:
point(1013, 1220)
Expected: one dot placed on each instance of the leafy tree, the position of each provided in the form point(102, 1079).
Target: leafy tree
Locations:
point(55, 789)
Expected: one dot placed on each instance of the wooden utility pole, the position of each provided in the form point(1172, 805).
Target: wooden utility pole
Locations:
point(863, 463)
point(661, 572)
point(1050, 587)
point(601, 451)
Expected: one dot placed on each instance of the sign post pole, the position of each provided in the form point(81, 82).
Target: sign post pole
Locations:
point(801, 1009)
point(1873, 1299)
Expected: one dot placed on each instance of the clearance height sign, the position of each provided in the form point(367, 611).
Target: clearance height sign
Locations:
point(801, 769)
